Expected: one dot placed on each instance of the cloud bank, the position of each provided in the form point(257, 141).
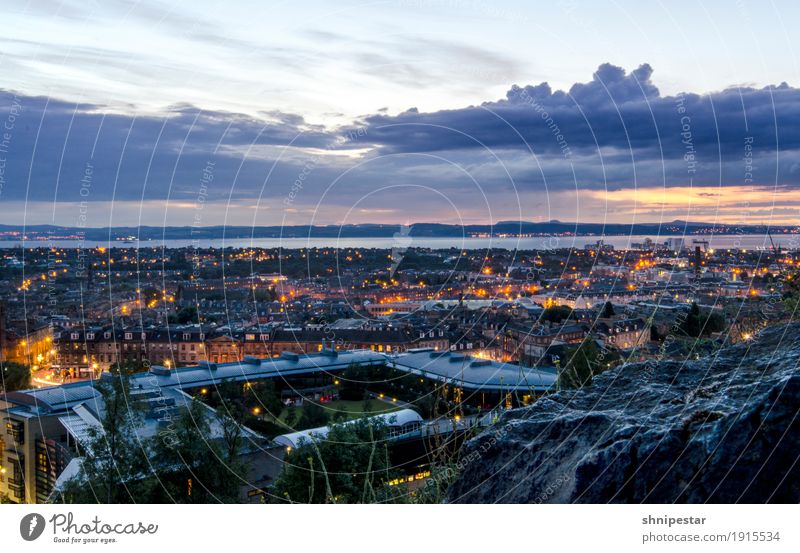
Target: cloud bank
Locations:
point(614, 133)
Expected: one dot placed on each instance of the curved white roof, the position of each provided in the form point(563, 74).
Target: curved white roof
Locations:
point(395, 418)
point(471, 373)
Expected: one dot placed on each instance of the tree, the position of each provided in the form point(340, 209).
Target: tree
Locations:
point(350, 466)
point(715, 322)
point(698, 323)
point(584, 362)
point(313, 416)
point(231, 435)
point(790, 292)
point(184, 463)
point(557, 313)
point(353, 383)
point(692, 325)
point(114, 459)
point(230, 414)
point(191, 467)
point(608, 310)
point(291, 416)
point(184, 315)
point(14, 376)
point(267, 397)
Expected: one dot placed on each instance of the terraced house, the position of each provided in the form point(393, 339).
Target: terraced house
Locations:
point(81, 353)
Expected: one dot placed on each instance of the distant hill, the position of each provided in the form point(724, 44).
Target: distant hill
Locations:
point(673, 228)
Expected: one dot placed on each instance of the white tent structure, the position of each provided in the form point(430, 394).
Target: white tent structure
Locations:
point(398, 423)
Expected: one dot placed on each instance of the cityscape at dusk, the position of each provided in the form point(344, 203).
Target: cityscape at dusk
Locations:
point(406, 252)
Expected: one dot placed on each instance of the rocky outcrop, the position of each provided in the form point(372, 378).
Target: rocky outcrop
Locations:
point(722, 429)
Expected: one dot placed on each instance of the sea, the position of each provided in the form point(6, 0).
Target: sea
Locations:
point(718, 241)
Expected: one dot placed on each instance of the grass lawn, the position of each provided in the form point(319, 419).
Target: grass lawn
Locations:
point(351, 409)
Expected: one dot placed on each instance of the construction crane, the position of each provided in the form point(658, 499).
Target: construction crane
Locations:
point(776, 251)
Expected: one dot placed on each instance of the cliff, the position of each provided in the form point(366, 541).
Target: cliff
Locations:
point(722, 429)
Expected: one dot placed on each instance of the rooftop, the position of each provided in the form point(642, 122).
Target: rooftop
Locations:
point(65, 397)
point(472, 373)
point(468, 372)
point(404, 418)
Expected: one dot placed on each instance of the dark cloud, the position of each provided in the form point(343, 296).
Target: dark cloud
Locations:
point(52, 142)
point(615, 132)
point(618, 118)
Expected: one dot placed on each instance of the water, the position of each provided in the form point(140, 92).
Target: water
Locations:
point(721, 241)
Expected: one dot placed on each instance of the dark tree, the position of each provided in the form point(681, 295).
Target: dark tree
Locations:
point(353, 383)
point(583, 362)
point(183, 463)
point(698, 323)
point(14, 376)
point(692, 324)
point(267, 398)
point(350, 466)
point(557, 313)
point(200, 469)
point(184, 315)
point(313, 416)
point(715, 322)
point(291, 416)
point(608, 310)
point(114, 459)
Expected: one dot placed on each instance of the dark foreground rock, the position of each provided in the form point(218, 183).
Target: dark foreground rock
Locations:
point(723, 429)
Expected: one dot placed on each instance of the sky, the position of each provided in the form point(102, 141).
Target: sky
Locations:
point(121, 112)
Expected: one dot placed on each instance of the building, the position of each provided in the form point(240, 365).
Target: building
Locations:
point(81, 353)
point(43, 429)
point(528, 345)
point(397, 423)
point(675, 244)
point(223, 349)
point(384, 309)
point(476, 381)
point(34, 446)
point(622, 333)
point(383, 340)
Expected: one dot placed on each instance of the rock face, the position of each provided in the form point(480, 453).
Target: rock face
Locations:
point(723, 429)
